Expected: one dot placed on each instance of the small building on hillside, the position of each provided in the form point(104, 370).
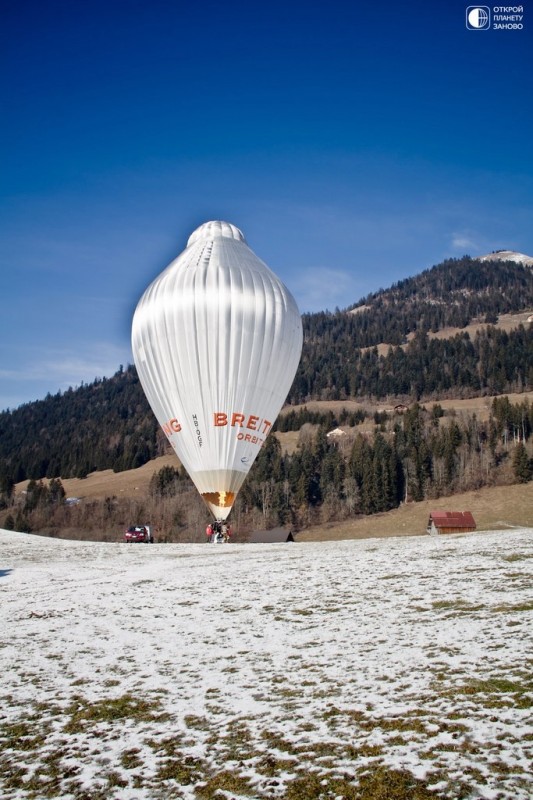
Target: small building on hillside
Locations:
point(400, 408)
point(271, 537)
point(450, 522)
point(336, 433)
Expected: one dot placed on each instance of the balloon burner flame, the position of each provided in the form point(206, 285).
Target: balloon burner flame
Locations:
point(220, 499)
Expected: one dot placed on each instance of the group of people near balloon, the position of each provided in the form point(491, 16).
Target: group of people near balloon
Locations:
point(218, 532)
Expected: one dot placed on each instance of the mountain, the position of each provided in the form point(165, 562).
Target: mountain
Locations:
point(450, 294)
point(108, 424)
point(508, 255)
point(344, 354)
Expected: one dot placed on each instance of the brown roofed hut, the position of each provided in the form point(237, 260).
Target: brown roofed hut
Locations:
point(450, 522)
point(272, 536)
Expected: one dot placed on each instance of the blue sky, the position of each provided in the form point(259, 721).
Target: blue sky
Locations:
point(353, 143)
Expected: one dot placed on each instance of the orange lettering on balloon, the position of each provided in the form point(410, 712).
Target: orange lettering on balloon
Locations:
point(172, 426)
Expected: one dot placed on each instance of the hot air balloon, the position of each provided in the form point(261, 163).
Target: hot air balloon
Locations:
point(216, 341)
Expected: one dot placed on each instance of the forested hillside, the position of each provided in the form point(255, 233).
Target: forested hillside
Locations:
point(415, 455)
point(108, 424)
point(450, 294)
point(339, 361)
point(104, 425)
point(493, 362)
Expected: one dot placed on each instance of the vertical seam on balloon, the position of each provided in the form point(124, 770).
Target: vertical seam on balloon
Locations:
point(204, 280)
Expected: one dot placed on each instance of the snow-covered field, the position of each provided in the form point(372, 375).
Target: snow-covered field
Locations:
point(391, 668)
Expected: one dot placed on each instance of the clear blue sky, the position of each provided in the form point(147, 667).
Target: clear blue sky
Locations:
point(354, 143)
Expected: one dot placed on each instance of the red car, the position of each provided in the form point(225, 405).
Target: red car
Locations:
point(138, 533)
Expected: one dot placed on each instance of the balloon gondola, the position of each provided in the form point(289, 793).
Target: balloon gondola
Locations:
point(216, 340)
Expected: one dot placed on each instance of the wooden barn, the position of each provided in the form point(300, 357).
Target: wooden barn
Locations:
point(450, 522)
point(272, 536)
point(400, 408)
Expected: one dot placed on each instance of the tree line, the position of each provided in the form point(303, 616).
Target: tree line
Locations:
point(493, 362)
point(421, 454)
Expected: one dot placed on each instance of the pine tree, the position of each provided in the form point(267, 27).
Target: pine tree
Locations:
point(522, 467)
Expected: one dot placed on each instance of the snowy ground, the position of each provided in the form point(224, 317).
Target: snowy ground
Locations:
point(392, 668)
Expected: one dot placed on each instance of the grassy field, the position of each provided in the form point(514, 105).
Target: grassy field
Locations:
point(99, 485)
point(506, 322)
point(494, 508)
point(478, 405)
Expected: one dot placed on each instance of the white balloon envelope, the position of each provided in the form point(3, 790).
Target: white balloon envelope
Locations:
point(216, 341)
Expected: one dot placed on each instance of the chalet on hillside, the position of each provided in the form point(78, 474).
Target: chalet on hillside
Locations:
point(271, 537)
point(450, 522)
point(335, 434)
point(400, 408)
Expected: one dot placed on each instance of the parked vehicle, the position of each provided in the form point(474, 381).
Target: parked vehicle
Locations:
point(139, 533)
